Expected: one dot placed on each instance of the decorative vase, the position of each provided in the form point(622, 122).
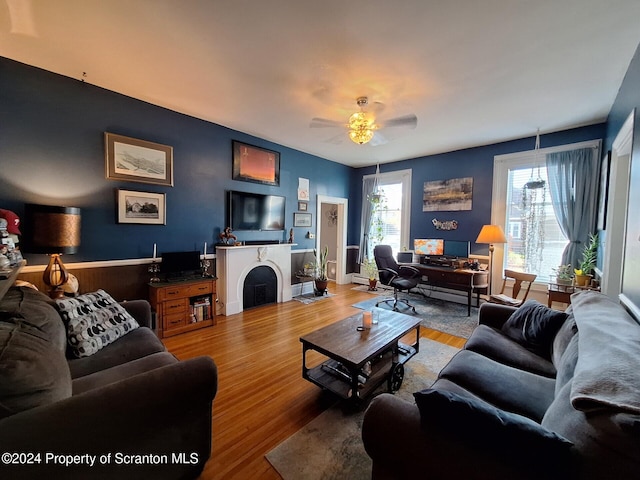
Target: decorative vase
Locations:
point(372, 284)
point(564, 281)
point(321, 287)
point(583, 280)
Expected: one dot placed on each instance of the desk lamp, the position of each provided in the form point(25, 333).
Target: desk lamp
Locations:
point(491, 234)
point(54, 231)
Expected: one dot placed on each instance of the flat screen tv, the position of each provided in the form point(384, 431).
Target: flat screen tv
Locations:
point(255, 211)
point(428, 246)
point(175, 264)
point(455, 248)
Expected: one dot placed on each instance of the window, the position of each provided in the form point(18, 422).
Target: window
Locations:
point(535, 242)
point(391, 219)
point(522, 201)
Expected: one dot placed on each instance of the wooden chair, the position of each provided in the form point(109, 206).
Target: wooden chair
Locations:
point(518, 279)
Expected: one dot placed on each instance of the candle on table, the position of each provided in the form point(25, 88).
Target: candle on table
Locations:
point(154, 251)
point(205, 249)
point(366, 319)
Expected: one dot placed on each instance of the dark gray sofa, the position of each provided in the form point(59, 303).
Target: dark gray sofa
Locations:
point(514, 405)
point(132, 409)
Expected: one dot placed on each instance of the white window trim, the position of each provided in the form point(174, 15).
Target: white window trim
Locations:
point(404, 177)
point(501, 166)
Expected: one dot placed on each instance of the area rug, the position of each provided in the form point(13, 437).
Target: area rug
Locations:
point(330, 446)
point(380, 289)
point(308, 298)
point(441, 315)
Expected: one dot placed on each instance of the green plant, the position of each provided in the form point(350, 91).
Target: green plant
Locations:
point(370, 268)
point(589, 256)
point(563, 272)
point(376, 231)
point(321, 263)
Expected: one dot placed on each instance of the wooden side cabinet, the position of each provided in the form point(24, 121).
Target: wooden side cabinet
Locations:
point(183, 306)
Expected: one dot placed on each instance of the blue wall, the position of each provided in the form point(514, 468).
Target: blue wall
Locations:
point(473, 162)
point(627, 99)
point(52, 152)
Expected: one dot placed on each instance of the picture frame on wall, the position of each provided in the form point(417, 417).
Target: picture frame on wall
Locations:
point(301, 219)
point(146, 208)
point(133, 160)
point(302, 206)
point(255, 164)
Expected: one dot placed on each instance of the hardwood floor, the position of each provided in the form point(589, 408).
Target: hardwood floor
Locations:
point(262, 398)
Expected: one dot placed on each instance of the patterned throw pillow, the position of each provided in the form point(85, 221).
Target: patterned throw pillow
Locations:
point(94, 320)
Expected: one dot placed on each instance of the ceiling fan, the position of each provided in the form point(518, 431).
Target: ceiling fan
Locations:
point(362, 126)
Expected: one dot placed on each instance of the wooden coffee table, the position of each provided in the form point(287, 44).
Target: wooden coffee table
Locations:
point(349, 354)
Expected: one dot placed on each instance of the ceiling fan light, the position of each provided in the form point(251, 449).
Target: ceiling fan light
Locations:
point(361, 136)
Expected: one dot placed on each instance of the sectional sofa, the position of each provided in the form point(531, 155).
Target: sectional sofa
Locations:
point(96, 407)
point(535, 393)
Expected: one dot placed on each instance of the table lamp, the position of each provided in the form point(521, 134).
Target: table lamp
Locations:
point(54, 231)
point(491, 234)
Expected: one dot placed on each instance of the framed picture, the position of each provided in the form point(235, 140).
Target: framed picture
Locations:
point(302, 206)
point(603, 194)
point(301, 219)
point(255, 164)
point(135, 160)
point(146, 208)
point(448, 195)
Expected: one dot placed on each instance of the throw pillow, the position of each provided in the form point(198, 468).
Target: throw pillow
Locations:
point(534, 326)
point(94, 320)
point(482, 426)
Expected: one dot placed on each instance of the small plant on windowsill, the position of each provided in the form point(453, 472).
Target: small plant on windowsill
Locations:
point(564, 275)
point(588, 263)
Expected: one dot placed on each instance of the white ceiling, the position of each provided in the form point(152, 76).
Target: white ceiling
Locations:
point(474, 72)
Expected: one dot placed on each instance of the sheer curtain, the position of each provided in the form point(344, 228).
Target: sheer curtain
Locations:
point(573, 185)
point(368, 186)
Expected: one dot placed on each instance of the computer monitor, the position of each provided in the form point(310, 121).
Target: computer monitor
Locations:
point(455, 248)
point(428, 246)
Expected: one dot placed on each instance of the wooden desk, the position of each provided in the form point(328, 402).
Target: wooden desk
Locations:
point(464, 280)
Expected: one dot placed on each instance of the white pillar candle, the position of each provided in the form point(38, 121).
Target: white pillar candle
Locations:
point(205, 249)
point(154, 251)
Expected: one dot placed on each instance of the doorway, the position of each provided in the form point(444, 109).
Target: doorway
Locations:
point(332, 231)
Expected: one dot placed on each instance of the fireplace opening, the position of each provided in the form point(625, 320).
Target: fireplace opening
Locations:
point(260, 287)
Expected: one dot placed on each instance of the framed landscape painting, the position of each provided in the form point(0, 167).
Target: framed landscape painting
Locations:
point(255, 164)
point(134, 160)
point(145, 208)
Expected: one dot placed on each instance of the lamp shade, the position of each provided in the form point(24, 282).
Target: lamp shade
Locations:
point(51, 229)
point(491, 234)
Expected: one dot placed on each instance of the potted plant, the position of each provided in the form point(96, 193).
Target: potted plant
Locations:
point(371, 270)
point(588, 263)
point(564, 275)
point(321, 278)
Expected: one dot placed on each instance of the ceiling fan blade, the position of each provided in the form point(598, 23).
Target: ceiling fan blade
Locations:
point(324, 123)
point(375, 108)
point(409, 121)
point(337, 139)
point(378, 139)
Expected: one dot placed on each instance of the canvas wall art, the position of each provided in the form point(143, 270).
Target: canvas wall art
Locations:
point(448, 195)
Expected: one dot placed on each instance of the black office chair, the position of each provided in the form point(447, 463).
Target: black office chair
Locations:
point(401, 278)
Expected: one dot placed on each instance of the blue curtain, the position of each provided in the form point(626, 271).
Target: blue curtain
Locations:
point(573, 185)
point(368, 186)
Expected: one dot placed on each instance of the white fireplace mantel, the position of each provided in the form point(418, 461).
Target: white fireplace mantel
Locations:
point(234, 263)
